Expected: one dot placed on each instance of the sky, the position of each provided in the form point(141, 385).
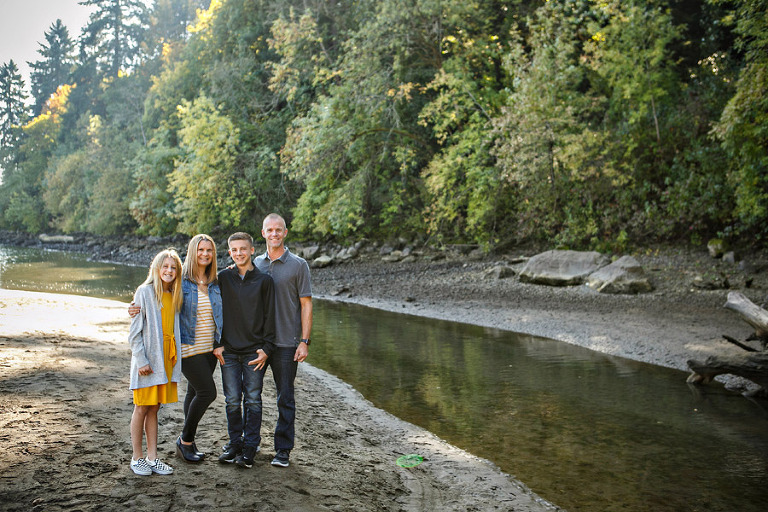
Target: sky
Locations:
point(23, 24)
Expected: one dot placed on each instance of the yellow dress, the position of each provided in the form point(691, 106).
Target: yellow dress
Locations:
point(162, 393)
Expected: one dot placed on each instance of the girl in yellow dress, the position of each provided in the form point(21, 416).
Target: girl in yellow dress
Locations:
point(155, 357)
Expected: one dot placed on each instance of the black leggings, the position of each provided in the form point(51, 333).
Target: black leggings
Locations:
point(201, 391)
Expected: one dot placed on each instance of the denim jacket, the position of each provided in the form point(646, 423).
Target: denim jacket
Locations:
point(189, 310)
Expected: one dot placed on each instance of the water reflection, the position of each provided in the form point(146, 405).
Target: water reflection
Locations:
point(65, 272)
point(585, 430)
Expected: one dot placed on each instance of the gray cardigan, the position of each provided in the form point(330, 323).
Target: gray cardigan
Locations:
point(146, 339)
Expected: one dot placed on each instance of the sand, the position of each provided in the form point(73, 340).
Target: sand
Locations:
point(65, 410)
point(65, 406)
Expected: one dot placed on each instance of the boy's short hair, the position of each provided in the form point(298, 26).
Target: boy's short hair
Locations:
point(240, 235)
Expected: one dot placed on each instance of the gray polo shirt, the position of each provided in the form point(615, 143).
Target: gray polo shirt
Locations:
point(292, 281)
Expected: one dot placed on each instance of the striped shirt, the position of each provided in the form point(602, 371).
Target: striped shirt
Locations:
point(204, 328)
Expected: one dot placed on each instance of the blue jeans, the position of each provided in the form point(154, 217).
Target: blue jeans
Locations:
point(242, 386)
point(284, 371)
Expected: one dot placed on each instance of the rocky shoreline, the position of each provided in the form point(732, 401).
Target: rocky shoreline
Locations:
point(682, 317)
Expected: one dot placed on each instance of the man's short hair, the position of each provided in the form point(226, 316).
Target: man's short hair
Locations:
point(240, 235)
point(275, 216)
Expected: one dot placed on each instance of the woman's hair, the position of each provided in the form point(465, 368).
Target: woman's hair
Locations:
point(153, 277)
point(191, 268)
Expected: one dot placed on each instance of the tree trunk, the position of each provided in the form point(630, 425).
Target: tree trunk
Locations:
point(750, 365)
point(751, 313)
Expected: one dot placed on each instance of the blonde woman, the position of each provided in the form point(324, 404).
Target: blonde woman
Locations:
point(154, 337)
point(201, 322)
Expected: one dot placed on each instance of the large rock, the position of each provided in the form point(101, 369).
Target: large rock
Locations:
point(322, 262)
point(346, 254)
point(309, 253)
point(624, 275)
point(562, 268)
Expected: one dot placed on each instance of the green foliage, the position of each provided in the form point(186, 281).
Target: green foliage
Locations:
point(207, 197)
point(53, 70)
point(549, 145)
point(12, 108)
point(362, 137)
point(152, 205)
point(69, 181)
point(114, 33)
point(465, 196)
point(578, 123)
point(23, 213)
point(743, 127)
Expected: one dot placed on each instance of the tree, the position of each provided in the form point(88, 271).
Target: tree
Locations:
point(24, 185)
point(12, 108)
point(547, 146)
point(207, 195)
point(465, 195)
point(114, 33)
point(359, 149)
point(743, 127)
point(55, 66)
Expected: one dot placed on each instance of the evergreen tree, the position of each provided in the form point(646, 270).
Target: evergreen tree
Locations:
point(114, 33)
point(55, 66)
point(12, 110)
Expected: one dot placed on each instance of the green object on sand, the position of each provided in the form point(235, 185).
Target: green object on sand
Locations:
point(409, 461)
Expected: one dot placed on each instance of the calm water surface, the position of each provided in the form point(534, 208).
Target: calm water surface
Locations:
point(65, 272)
point(586, 431)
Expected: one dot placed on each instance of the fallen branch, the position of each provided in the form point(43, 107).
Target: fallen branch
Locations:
point(754, 364)
point(739, 344)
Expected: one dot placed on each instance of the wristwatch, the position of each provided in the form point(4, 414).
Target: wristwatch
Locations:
point(305, 340)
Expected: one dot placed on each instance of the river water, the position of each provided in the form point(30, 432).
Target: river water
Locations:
point(586, 431)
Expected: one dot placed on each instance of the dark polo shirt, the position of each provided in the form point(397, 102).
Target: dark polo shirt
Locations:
point(292, 281)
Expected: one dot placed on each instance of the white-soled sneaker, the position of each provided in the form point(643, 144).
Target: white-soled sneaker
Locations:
point(141, 467)
point(160, 467)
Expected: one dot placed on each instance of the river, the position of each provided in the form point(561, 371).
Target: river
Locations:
point(587, 431)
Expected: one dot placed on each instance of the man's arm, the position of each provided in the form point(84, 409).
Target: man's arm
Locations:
point(302, 351)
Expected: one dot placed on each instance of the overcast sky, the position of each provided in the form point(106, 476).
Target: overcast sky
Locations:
point(23, 24)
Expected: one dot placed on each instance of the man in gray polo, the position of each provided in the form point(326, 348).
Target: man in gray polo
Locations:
point(293, 311)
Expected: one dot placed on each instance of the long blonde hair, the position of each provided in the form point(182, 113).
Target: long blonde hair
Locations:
point(190, 268)
point(153, 277)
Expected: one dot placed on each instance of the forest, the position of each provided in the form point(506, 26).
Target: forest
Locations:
point(598, 124)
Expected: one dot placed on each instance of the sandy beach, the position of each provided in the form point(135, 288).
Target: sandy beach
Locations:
point(65, 405)
point(65, 410)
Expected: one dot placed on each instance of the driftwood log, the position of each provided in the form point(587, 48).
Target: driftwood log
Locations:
point(752, 364)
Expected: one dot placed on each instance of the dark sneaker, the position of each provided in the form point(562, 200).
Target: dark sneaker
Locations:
point(245, 459)
point(231, 451)
point(281, 459)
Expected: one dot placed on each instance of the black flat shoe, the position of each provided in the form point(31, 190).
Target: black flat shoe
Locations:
point(197, 452)
point(186, 451)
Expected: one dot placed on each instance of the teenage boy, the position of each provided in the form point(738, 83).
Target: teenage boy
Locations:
point(247, 340)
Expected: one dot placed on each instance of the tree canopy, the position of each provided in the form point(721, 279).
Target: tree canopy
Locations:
point(579, 123)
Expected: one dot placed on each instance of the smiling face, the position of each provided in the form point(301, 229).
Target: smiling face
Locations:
point(274, 232)
point(241, 252)
point(168, 272)
point(204, 254)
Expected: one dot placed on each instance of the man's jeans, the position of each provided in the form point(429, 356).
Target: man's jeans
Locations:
point(284, 371)
point(242, 385)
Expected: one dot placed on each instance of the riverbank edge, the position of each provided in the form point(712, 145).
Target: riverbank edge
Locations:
point(338, 425)
point(676, 322)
